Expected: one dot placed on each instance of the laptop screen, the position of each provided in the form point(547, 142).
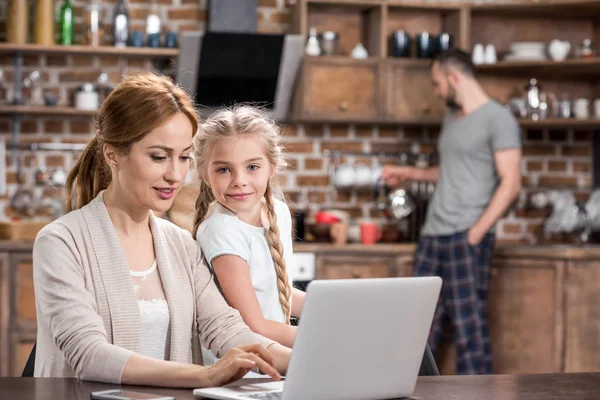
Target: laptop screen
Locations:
point(238, 67)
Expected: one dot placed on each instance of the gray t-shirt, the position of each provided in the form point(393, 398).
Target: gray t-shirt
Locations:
point(468, 177)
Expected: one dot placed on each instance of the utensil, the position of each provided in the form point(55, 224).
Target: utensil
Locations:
point(443, 42)
point(425, 45)
point(329, 41)
point(396, 204)
point(399, 43)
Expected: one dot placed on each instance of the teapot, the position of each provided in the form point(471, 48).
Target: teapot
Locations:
point(396, 204)
point(559, 49)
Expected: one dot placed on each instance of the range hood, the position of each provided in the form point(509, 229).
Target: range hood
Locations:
point(232, 64)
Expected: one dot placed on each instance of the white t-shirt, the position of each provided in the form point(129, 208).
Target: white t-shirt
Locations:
point(223, 233)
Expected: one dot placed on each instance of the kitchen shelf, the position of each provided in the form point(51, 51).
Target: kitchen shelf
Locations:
point(560, 123)
point(424, 121)
point(43, 110)
point(348, 3)
point(577, 68)
point(542, 8)
point(410, 62)
point(420, 5)
point(341, 60)
point(11, 49)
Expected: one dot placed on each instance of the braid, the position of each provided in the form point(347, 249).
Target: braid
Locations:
point(203, 202)
point(276, 248)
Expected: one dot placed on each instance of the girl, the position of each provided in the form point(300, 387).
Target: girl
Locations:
point(123, 296)
point(243, 230)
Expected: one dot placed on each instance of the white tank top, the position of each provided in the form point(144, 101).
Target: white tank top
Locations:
point(154, 312)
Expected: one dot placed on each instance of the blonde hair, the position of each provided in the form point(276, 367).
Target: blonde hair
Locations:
point(237, 121)
point(134, 108)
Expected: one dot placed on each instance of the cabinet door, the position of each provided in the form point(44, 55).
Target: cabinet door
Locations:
point(525, 317)
point(354, 267)
point(21, 350)
point(338, 91)
point(404, 265)
point(582, 323)
point(23, 324)
point(23, 298)
point(4, 313)
point(409, 92)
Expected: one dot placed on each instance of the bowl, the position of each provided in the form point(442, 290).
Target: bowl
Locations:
point(321, 232)
point(323, 217)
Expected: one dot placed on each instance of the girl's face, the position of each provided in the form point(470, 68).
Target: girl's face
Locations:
point(238, 173)
point(150, 175)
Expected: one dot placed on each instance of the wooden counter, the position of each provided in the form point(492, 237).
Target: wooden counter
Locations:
point(544, 313)
point(554, 251)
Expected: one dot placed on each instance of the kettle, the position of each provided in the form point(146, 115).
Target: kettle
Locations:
point(395, 203)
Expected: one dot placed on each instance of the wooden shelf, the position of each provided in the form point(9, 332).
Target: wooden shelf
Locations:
point(349, 3)
point(410, 62)
point(10, 48)
point(43, 110)
point(420, 5)
point(560, 123)
point(542, 9)
point(576, 68)
point(550, 123)
point(341, 60)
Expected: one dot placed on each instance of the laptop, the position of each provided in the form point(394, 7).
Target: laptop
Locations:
point(357, 339)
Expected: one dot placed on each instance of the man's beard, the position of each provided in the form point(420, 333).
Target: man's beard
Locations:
point(451, 100)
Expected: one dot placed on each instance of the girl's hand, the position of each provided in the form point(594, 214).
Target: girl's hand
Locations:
point(238, 362)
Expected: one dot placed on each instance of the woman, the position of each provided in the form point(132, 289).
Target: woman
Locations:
point(121, 295)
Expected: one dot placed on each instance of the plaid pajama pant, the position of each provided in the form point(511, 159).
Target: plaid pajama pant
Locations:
point(465, 271)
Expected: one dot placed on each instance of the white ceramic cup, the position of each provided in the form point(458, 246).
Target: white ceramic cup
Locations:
point(478, 56)
point(597, 108)
point(490, 54)
point(582, 108)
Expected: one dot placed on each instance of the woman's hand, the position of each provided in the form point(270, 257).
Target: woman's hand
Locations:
point(238, 362)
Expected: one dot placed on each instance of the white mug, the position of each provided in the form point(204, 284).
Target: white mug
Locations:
point(345, 176)
point(597, 108)
point(490, 54)
point(582, 108)
point(478, 54)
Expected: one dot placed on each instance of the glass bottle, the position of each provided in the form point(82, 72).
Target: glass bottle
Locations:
point(66, 23)
point(121, 24)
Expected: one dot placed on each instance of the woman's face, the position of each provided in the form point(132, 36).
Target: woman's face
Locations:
point(155, 168)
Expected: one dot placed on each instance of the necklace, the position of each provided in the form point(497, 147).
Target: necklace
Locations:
point(143, 275)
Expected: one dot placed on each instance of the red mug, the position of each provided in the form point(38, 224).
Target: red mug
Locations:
point(370, 233)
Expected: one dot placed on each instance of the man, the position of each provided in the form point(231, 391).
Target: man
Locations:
point(478, 177)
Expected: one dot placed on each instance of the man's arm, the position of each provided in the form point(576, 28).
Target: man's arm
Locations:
point(508, 165)
point(431, 174)
point(394, 175)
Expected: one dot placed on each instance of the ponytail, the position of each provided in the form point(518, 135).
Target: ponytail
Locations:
point(88, 177)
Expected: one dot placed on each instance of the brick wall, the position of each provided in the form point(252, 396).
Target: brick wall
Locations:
point(552, 159)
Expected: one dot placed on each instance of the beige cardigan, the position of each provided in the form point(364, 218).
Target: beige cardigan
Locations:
point(88, 316)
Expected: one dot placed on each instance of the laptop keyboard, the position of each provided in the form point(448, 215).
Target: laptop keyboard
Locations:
point(265, 396)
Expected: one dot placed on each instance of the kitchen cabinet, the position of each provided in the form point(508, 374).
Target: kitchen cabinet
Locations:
point(582, 316)
point(402, 86)
point(405, 97)
point(354, 267)
point(543, 311)
point(525, 313)
point(4, 313)
point(18, 323)
point(334, 89)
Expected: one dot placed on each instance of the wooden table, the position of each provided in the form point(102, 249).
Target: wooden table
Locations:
point(494, 387)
